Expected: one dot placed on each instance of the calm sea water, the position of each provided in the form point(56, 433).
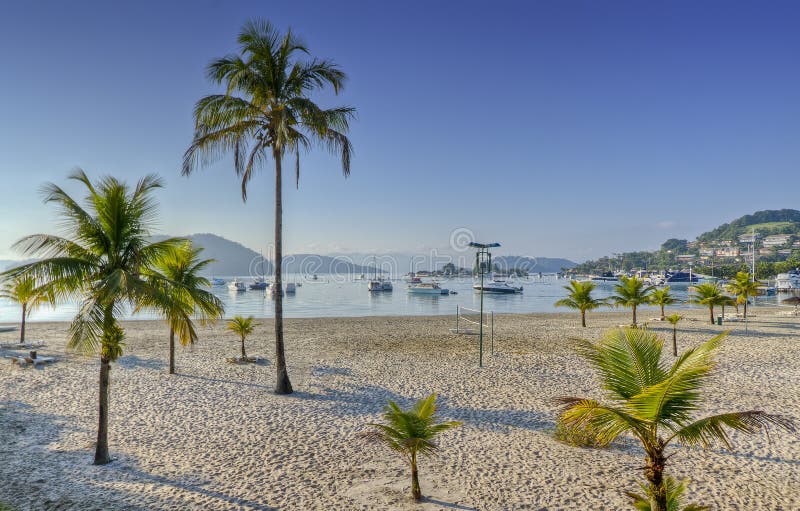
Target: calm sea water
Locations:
point(331, 296)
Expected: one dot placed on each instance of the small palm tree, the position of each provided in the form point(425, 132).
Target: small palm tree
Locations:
point(662, 298)
point(654, 402)
point(743, 287)
point(710, 295)
point(412, 433)
point(183, 266)
point(23, 290)
point(675, 497)
point(580, 297)
point(107, 261)
point(242, 327)
point(267, 113)
point(673, 320)
point(632, 292)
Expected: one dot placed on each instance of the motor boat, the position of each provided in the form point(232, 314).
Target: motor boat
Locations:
point(427, 288)
point(217, 282)
point(314, 277)
point(681, 277)
point(788, 282)
point(259, 284)
point(607, 276)
point(379, 285)
point(497, 287)
point(290, 288)
point(237, 286)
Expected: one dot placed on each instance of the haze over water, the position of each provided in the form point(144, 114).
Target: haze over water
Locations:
point(332, 296)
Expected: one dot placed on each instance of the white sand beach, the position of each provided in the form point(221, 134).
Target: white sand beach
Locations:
point(214, 436)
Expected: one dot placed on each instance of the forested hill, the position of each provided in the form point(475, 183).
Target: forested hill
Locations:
point(773, 221)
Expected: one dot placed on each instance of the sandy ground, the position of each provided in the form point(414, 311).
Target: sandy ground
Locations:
point(216, 437)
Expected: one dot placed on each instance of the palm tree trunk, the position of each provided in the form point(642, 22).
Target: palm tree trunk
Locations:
point(171, 351)
point(711, 313)
point(654, 473)
point(662, 312)
point(583, 318)
point(745, 307)
point(22, 326)
point(416, 491)
point(101, 456)
point(634, 315)
point(675, 340)
point(244, 355)
point(283, 385)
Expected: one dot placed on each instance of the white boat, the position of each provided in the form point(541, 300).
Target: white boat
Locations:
point(427, 288)
point(237, 286)
point(788, 282)
point(290, 288)
point(497, 287)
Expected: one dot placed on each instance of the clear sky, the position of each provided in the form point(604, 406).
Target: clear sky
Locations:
point(560, 128)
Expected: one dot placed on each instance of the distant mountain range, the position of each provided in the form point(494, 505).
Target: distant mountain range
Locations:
point(533, 265)
point(234, 259)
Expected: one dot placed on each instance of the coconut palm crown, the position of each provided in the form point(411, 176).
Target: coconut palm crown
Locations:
point(105, 260)
point(23, 290)
point(579, 297)
point(632, 292)
point(662, 297)
point(191, 299)
point(412, 433)
point(655, 402)
point(743, 287)
point(267, 113)
point(710, 295)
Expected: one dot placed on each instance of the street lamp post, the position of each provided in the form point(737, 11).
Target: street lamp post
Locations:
point(483, 265)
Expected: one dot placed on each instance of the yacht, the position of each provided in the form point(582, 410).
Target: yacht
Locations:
point(217, 282)
point(607, 276)
point(681, 276)
point(427, 288)
point(497, 287)
point(379, 284)
point(237, 286)
point(788, 282)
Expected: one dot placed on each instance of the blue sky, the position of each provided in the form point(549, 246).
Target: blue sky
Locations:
point(560, 128)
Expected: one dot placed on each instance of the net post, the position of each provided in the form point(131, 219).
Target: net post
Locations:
point(492, 317)
point(457, 318)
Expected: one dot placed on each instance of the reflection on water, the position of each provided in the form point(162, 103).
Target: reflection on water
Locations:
point(331, 296)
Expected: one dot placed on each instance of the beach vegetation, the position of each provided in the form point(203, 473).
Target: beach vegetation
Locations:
point(190, 299)
point(412, 433)
point(662, 297)
point(632, 292)
point(242, 327)
point(742, 286)
point(656, 403)
point(22, 289)
point(267, 113)
point(673, 320)
point(106, 260)
point(579, 297)
point(709, 294)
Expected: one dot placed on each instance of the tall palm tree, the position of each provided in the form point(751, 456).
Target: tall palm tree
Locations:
point(184, 266)
point(632, 292)
point(23, 290)
point(662, 297)
point(105, 259)
point(267, 112)
point(411, 433)
point(673, 320)
point(579, 297)
point(654, 402)
point(710, 295)
point(242, 327)
point(743, 287)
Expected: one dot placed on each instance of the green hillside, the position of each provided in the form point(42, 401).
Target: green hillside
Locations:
point(774, 221)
